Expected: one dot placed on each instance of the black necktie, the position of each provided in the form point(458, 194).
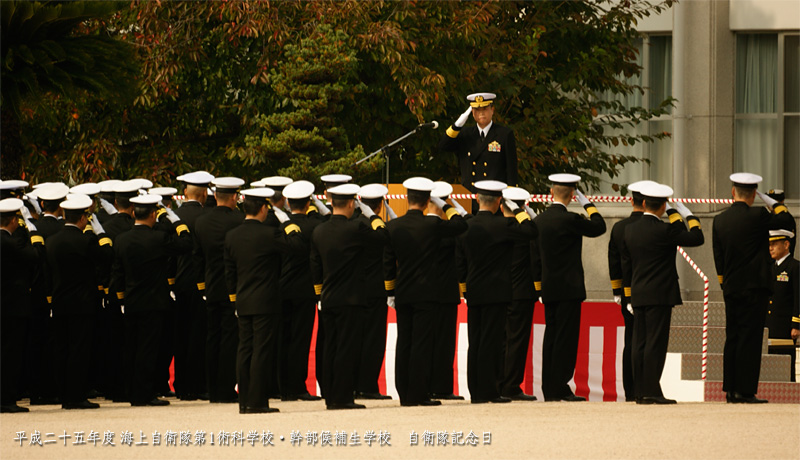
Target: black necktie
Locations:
point(483, 136)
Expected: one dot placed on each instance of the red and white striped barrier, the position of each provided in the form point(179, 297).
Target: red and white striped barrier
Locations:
point(705, 309)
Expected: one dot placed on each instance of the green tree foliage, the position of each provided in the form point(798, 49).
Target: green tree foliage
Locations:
point(50, 50)
point(253, 88)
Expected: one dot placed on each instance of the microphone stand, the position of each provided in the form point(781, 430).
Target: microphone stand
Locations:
point(385, 149)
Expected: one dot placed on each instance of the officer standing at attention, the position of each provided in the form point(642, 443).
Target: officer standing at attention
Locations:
point(519, 317)
point(558, 260)
point(18, 263)
point(783, 317)
point(488, 249)
point(253, 258)
point(337, 268)
point(741, 255)
point(75, 260)
point(190, 308)
point(487, 151)
point(650, 276)
point(299, 298)
point(222, 337)
point(410, 265)
point(139, 278)
point(615, 272)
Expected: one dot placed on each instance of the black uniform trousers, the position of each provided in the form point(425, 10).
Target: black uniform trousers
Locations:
point(74, 339)
point(190, 344)
point(298, 327)
point(42, 380)
point(142, 338)
point(114, 379)
point(745, 315)
point(416, 329)
point(444, 349)
point(560, 347)
point(486, 325)
point(340, 348)
point(519, 321)
point(649, 351)
point(221, 348)
point(373, 345)
point(627, 360)
point(256, 358)
point(13, 331)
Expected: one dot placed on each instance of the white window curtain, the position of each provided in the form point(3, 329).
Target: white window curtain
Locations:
point(756, 139)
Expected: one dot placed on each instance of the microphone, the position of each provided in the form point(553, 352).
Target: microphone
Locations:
point(433, 124)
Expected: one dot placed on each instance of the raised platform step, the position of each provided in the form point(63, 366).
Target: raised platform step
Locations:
point(689, 339)
point(774, 392)
point(774, 368)
point(691, 314)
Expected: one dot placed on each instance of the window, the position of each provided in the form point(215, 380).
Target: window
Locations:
point(767, 121)
point(655, 57)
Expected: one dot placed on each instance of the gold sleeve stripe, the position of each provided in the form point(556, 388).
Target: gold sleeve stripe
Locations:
point(105, 241)
point(201, 286)
point(181, 228)
point(311, 209)
point(291, 228)
point(591, 210)
point(694, 223)
point(674, 217)
point(537, 285)
point(452, 132)
point(100, 287)
point(37, 239)
point(88, 229)
point(120, 295)
point(627, 292)
point(232, 297)
point(719, 277)
point(318, 289)
point(49, 299)
point(105, 290)
point(523, 216)
point(170, 281)
point(389, 285)
point(779, 208)
point(377, 223)
point(462, 288)
point(796, 319)
point(450, 213)
point(616, 284)
point(160, 213)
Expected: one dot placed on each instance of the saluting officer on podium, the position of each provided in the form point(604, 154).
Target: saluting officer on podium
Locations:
point(651, 282)
point(486, 151)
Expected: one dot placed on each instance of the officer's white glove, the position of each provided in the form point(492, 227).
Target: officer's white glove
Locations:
point(541, 301)
point(96, 227)
point(511, 205)
point(319, 305)
point(683, 210)
point(366, 210)
point(172, 294)
point(581, 198)
point(171, 214)
point(463, 118)
point(668, 206)
point(34, 203)
point(26, 213)
point(461, 211)
point(282, 217)
point(530, 211)
point(323, 210)
point(438, 202)
point(618, 299)
point(390, 301)
point(767, 200)
point(629, 307)
point(389, 211)
point(29, 224)
point(122, 309)
point(109, 208)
